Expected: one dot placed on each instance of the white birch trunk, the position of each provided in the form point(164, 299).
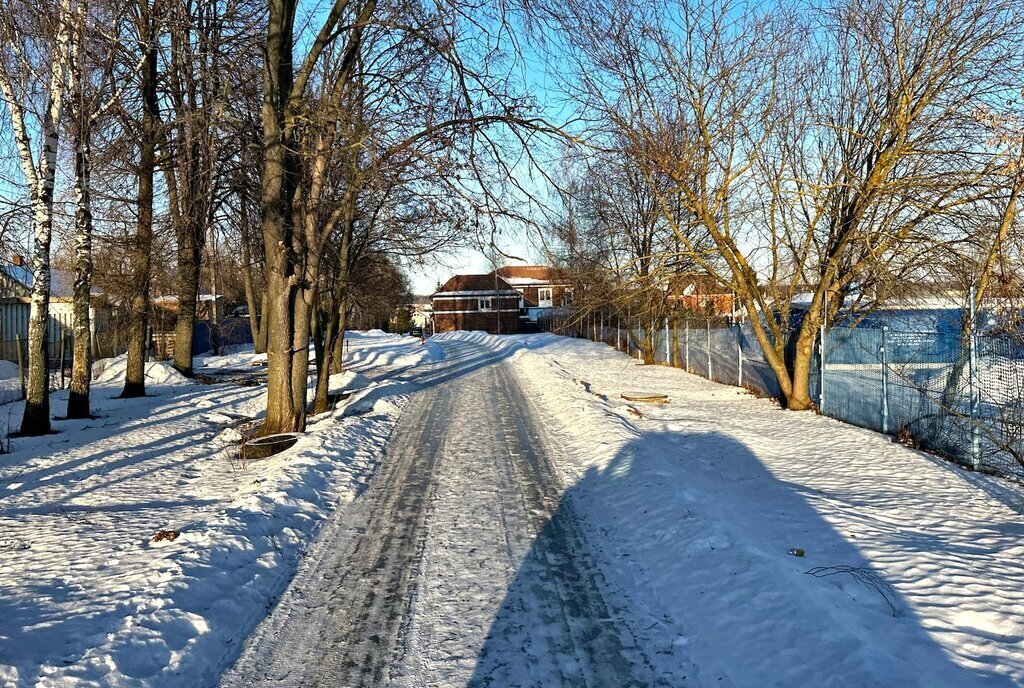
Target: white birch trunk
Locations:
point(40, 177)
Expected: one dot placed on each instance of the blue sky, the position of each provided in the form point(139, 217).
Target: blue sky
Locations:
point(533, 69)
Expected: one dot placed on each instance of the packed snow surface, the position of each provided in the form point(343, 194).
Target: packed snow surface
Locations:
point(682, 513)
point(913, 573)
point(89, 598)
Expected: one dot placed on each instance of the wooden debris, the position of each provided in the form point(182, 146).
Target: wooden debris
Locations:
point(646, 398)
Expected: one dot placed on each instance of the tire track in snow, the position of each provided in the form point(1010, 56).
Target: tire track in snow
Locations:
point(461, 563)
point(337, 624)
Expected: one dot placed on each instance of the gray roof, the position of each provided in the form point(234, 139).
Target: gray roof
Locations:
point(62, 282)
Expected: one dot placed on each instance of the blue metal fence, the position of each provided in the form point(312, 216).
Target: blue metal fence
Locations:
point(925, 388)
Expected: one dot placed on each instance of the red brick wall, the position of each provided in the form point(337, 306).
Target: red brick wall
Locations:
point(480, 320)
point(716, 304)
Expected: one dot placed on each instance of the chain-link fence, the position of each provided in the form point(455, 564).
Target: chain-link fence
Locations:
point(958, 394)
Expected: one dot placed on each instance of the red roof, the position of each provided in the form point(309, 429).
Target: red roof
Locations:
point(537, 272)
point(475, 283)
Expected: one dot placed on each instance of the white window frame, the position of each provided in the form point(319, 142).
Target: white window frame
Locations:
point(549, 301)
point(485, 303)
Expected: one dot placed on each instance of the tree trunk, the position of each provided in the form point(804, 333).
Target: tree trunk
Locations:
point(330, 357)
point(323, 364)
point(250, 289)
point(81, 361)
point(263, 329)
point(286, 411)
point(36, 419)
point(138, 323)
point(649, 344)
point(799, 398)
point(324, 341)
point(338, 347)
point(189, 257)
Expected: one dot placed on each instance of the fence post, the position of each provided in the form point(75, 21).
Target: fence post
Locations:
point(668, 342)
point(710, 376)
point(821, 371)
point(21, 364)
point(885, 381)
point(973, 386)
point(63, 348)
point(687, 345)
point(629, 341)
point(739, 355)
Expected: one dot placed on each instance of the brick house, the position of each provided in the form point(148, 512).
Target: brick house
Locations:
point(543, 291)
point(476, 302)
point(511, 301)
point(700, 293)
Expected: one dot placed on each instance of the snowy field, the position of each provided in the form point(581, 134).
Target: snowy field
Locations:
point(914, 569)
point(88, 598)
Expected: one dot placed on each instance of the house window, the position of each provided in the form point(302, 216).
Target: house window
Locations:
point(544, 297)
point(485, 304)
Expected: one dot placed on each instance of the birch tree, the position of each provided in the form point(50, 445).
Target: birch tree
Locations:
point(35, 43)
point(94, 90)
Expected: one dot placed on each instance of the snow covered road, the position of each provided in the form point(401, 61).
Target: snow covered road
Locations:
point(490, 511)
point(460, 564)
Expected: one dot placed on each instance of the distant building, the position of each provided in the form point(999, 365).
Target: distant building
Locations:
point(510, 300)
point(208, 307)
point(476, 302)
point(422, 315)
point(700, 293)
point(16, 280)
point(543, 291)
point(212, 329)
point(417, 313)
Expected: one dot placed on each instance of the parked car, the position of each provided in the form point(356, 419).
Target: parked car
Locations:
point(416, 332)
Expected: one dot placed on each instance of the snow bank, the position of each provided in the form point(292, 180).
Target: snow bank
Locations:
point(913, 573)
point(158, 373)
point(91, 599)
point(377, 399)
point(348, 381)
point(238, 356)
point(390, 351)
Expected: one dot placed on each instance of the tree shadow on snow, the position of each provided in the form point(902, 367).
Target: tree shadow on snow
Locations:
point(462, 358)
point(698, 527)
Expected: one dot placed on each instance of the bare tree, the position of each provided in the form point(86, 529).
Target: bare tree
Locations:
point(208, 43)
point(297, 157)
point(818, 150)
point(93, 92)
point(147, 22)
point(36, 41)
